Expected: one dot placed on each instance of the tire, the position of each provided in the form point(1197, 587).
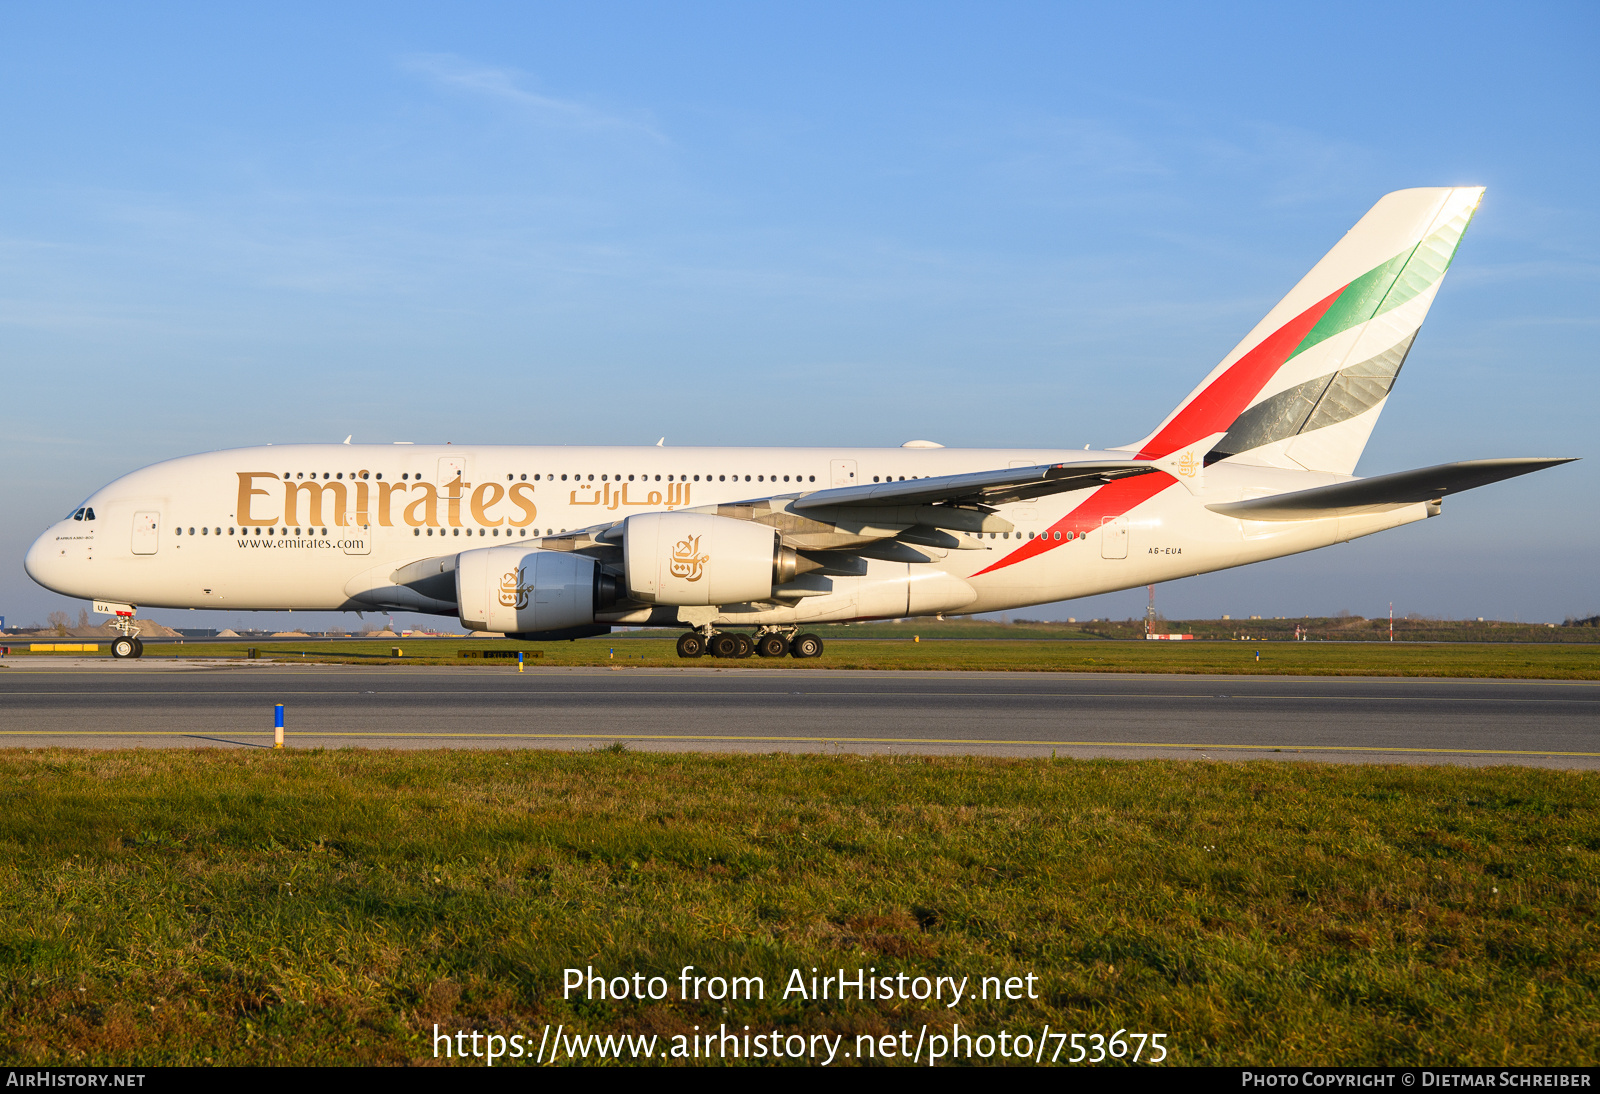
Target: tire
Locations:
point(691, 644)
point(138, 647)
point(123, 649)
point(772, 645)
point(724, 645)
point(806, 645)
point(747, 646)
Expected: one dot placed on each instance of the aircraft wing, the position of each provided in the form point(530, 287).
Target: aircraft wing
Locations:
point(983, 488)
point(1382, 492)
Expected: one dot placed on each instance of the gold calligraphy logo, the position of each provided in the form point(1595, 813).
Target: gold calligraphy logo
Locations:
point(513, 593)
point(1188, 465)
point(687, 561)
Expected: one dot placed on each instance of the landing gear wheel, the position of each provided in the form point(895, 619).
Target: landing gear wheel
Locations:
point(691, 644)
point(772, 645)
point(806, 645)
point(746, 646)
point(123, 648)
point(138, 647)
point(725, 645)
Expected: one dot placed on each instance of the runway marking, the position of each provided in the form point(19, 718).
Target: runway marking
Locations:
point(817, 694)
point(904, 674)
point(1200, 747)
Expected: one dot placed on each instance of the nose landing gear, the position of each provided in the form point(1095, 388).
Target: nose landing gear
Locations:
point(128, 645)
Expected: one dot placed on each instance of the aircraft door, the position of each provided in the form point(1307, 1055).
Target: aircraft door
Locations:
point(356, 529)
point(1114, 537)
point(452, 468)
point(842, 472)
point(356, 538)
point(146, 532)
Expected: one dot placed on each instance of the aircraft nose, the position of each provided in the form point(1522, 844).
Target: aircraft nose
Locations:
point(46, 561)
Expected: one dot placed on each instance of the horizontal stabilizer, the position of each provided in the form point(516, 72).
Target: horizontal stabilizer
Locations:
point(1383, 492)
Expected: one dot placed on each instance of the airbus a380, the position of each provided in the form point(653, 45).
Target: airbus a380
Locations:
point(742, 548)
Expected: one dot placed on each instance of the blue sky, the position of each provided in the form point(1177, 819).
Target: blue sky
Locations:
point(986, 224)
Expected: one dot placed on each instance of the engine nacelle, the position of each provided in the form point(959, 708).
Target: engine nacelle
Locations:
point(697, 558)
point(516, 590)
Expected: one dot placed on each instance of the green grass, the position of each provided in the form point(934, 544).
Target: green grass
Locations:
point(1558, 661)
point(330, 907)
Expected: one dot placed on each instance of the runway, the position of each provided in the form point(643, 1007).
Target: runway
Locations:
point(90, 704)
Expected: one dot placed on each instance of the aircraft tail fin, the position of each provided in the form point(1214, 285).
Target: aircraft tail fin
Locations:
point(1305, 387)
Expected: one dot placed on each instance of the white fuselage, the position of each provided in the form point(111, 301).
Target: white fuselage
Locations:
point(245, 529)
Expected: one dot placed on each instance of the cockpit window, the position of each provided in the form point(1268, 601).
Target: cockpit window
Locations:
point(88, 514)
point(78, 515)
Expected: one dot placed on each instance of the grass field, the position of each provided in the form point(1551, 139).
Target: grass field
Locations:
point(1559, 661)
point(330, 907)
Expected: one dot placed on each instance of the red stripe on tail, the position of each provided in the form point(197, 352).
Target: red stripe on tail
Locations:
point(1211, 411)
point(1215, 408)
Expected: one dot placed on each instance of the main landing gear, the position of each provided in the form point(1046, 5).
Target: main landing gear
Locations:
point(768, 642)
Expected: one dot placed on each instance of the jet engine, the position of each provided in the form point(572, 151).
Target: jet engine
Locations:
point(522, 592)
point(698, 558)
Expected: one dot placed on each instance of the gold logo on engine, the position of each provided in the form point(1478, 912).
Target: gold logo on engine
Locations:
point(1188, 465)
point(687, 561)
point(513, 593)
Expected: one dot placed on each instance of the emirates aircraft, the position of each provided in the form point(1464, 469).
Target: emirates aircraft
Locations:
point(742, 548)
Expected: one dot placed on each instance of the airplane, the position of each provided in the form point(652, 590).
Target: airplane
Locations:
point(743, 548)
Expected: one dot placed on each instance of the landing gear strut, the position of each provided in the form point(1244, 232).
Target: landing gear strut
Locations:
point(128, 645)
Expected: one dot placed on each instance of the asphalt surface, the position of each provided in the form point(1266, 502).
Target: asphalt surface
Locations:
point(90, 704)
